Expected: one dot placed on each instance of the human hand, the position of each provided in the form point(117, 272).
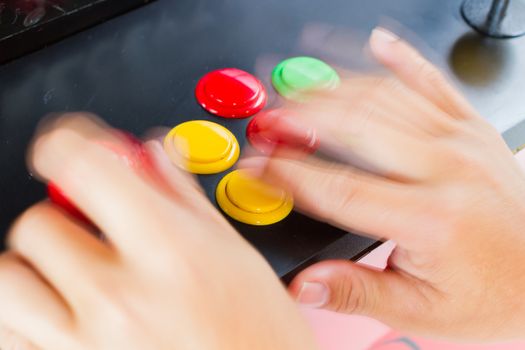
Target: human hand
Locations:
point(172, 273)
point(425, 170)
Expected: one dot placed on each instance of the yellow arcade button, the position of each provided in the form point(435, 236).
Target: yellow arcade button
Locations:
point(202, 147)
point(252, 201)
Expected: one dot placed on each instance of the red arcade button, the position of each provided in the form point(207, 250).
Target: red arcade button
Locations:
point(271, 129)
point(231, 93)
point(129, 150)
point(57, 197)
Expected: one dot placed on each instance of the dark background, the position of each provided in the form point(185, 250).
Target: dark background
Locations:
point(139, 71)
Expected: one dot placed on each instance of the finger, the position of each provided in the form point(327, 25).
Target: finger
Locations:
point(362, 137)
point(30, 307)
point(345, 197)
point(182, 185)
point(123, 145)
point(418, 73)
point(63, 251)
point(399, 106)
point(104, 189)
point(11, 341)
point(345, 287)
point(88, 124)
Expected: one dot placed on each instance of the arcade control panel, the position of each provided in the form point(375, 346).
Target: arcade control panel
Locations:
point(141, 70)
point(28, 25)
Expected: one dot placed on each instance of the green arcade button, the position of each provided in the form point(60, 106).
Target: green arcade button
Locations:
point(294, 77)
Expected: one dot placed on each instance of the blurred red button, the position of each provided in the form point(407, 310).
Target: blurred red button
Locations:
point(127, 149)
point(272, 129)
point(231, 93)
point(58, 197)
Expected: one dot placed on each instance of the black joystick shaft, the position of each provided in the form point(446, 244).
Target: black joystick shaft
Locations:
point(496, 18)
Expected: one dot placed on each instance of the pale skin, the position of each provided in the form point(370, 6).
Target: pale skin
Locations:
point(173, 273)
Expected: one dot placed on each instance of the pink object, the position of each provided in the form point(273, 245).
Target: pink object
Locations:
point(520, 157)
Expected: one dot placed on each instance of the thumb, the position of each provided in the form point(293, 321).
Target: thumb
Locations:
point(343, 286)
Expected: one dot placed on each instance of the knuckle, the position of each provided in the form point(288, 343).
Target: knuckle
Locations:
point(170, 265)
point(462, 159)
point(56, 138)
point(66, 143)
point(347, 189)
point(80, 121)
point(387, 85)
point(50, 144)
point(406, 260)
point(383, 87)
point(350, 296)
point(118, 316)
point(361, 113)
point(450, 214)
point(74, 157)
point(109, 302)
point(74, 117)
point(331, 207)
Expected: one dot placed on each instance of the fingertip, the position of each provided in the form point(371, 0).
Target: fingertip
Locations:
point(322, 272)
point(381, 41)
point(51, 151)
point(336, 285)
point(262, 166)
point(254, 164)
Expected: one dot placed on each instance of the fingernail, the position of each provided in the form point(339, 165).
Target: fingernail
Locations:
point(382, 35)
point(313, 294)
point(381, 42)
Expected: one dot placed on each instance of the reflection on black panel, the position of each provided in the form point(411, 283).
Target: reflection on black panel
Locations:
point(27, 25)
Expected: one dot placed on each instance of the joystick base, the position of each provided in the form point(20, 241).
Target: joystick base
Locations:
point(495, 18)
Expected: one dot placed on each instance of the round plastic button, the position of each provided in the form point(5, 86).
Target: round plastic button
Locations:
point(231, 93)
point(294, 77)
point(202, 147)
point(270, 130)
point(252, 201)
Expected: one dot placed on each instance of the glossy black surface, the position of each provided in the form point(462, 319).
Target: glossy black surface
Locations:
point(27, 25)
point(139, 71)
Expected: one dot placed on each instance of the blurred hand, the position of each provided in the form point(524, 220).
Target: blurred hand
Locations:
point(173, 273)
point(424, 170)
